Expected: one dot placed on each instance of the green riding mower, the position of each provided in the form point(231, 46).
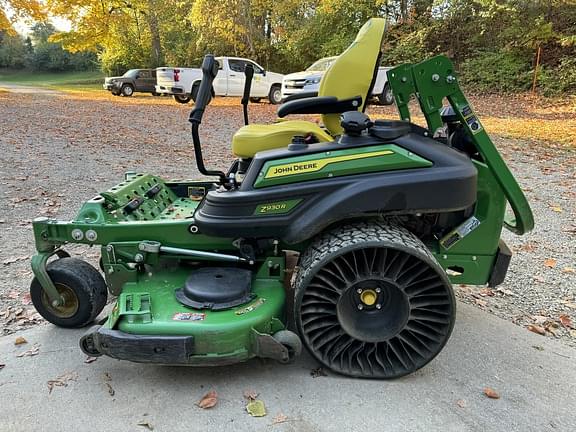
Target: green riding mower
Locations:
point(385, 215)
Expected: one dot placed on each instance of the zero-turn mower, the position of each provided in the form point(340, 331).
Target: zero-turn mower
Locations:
point(386, 216)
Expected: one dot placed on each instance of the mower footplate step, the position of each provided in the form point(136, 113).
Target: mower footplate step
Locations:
point(143, 348)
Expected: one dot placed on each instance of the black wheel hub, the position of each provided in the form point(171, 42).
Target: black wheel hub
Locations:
point(373, 310)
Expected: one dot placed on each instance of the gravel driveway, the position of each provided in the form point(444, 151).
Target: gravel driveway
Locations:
point(57, 150)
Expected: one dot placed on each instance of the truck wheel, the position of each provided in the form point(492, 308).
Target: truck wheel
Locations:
point(82, 287)
point(127, 90)
point(196, 89)
point(183, 99)
point(194, 92)
point(255, 99)
point(387, 97)
point(371, 301)
point(275, 95)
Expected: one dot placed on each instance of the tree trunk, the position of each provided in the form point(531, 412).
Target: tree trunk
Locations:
point(152, 18)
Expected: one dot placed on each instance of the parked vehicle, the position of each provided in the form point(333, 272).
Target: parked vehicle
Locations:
point(183, 83)
point(308, 81)
point(135, 80)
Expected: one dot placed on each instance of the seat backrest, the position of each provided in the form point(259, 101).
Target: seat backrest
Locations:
point(353, 72)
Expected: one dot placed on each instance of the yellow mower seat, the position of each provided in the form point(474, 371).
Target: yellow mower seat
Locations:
point(255, 138)
point(351, 75)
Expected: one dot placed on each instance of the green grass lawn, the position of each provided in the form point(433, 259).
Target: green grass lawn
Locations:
point(80, 81)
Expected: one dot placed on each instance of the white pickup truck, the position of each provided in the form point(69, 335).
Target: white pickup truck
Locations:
point(183, 83)
point(309, 81)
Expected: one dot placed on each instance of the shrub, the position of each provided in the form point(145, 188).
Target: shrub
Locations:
point(501, 71)
point(559, 80)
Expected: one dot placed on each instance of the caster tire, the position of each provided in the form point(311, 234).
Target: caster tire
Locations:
point(87, 344)
point(82, 287)
point(372, 302)
point(292, 343)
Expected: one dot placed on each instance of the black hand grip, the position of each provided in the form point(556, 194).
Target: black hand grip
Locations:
point(209, 71)
point(249, 72)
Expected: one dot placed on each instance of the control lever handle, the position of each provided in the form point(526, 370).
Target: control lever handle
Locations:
point(249, 72)
point(209, 71)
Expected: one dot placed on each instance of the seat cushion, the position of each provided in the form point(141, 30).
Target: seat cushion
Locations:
point(255, 138)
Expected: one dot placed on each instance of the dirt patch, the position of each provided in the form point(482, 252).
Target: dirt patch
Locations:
point(56, 152)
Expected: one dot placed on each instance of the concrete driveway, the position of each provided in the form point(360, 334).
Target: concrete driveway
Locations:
point(534, 376)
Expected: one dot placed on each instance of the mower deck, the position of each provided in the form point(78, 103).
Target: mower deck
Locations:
point(148, 324)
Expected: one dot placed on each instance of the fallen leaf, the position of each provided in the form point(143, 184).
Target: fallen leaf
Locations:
point(550, 262)
point(538, 347)
point(536, 329)
point(61, 381)
point(491, 393)
point(557, 209)
point(14, 259)
point(489, 292)
point(481, 303)
point(566, 321)
point(461, 403)
point(250, 395)
point(20, 341)
point(145, 424)
point(568, 270)
point(539, 319)
point(256, 408)
point(318, 372)
point(552, 328)
point(538, 278)
point(209, 400)
point(13, 295)
point(35, 350)
point(26, 299)
point(280, 418)
point(90, 359)
point(573, 333)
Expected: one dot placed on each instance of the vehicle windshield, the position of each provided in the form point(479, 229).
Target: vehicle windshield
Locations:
point(322, 64)
point(131, 73)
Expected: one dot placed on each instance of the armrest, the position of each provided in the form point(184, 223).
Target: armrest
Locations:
point(319, 105)
point(300, 96)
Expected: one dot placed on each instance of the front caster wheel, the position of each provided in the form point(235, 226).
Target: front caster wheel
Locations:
point(291, 342)
point(87, 344)
point(81, 288)
point(372, 302)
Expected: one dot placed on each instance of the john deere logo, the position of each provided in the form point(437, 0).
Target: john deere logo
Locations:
point(289, 169)
point(318, 164)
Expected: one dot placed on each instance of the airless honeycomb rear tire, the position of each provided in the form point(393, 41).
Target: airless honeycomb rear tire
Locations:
point(372, 302)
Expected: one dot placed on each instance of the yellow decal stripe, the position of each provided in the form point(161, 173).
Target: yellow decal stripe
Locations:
point(318, 164)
